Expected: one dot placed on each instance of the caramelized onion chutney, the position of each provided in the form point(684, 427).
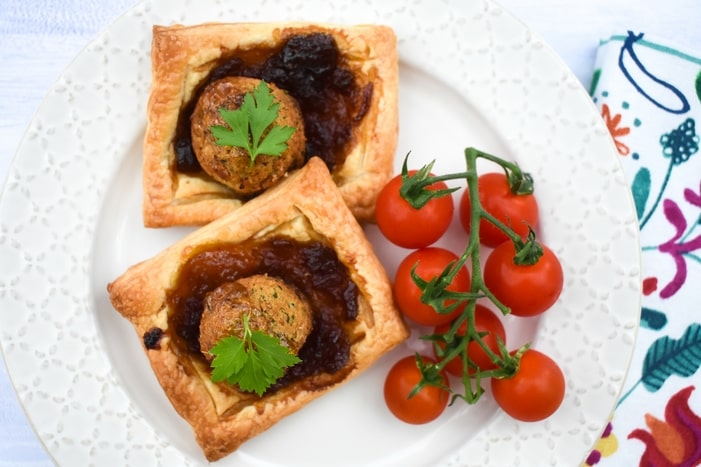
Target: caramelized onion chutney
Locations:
point(311, 69)
point(312, 267)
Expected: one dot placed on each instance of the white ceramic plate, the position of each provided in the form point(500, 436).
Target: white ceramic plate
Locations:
point(470, 75)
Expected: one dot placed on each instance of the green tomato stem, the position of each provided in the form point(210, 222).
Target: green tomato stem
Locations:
point(520, 182)
point(247, 334)
point(434, 292)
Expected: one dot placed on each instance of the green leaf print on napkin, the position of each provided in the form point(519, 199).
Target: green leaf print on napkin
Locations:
point(595, 81)
point(667, 356)
point(697, 85)
point(652, 319)
point(641, 190)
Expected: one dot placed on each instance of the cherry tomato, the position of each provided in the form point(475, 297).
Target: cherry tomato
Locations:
point(486, 321)
point(424, 406)
point(430, 262)
point(406, 226)
point(527, 289)
point(536, 390)
point(516, 211)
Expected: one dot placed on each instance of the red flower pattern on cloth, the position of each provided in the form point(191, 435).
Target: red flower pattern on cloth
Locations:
point(676, 441)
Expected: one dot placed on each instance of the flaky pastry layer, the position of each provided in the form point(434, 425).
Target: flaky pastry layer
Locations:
point(305, 206)
point(182, 56)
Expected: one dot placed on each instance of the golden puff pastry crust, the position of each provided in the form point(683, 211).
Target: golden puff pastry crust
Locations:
point(306, 205)
point(183, 56)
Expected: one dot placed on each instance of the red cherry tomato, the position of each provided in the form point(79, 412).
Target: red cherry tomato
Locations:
point(486, 321)
point(424, 406)
point(516, 211)
point(536, 390)
point(430, 262)
point(406, 226)
point(527, 290)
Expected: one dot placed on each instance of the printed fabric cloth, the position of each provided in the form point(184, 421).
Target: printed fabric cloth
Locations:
point(649, 94)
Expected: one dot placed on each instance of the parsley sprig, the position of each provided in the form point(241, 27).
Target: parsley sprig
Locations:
point(251, 125)
point(253, 363)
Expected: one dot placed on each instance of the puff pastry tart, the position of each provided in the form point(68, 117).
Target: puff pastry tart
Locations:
point(299, 236)
point(344, 79)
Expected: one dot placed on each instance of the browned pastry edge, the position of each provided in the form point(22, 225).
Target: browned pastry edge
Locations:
point(183, 55)
point(140, 296)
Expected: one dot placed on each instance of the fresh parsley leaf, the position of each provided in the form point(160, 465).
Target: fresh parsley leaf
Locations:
point(271, 356)
point(230, 358)
point(251, 125)
point(253, 363)
point(236, 120)
point(275, 141)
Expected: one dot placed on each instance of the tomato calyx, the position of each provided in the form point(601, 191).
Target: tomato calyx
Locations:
point(415, 187)
point(431, 375)
point(435, 292)
point(511, 364)
point(520, 182)
point(528, 252)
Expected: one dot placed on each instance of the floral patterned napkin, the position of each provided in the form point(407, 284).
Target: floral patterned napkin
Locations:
point(649, 94)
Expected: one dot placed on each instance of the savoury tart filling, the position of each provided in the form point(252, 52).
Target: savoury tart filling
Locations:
point(313, 71)
point(311, 267)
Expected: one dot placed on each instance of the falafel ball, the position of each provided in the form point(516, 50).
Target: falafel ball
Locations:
point(232, 165)
point(272, 306)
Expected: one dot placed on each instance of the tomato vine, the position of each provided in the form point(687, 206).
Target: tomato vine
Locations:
point(454, 342)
